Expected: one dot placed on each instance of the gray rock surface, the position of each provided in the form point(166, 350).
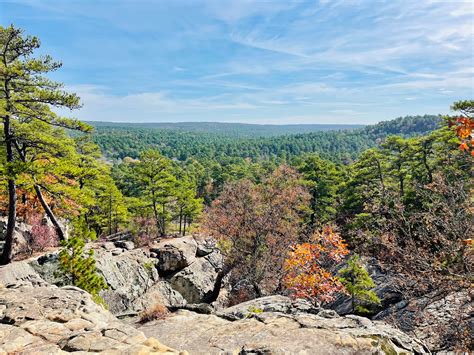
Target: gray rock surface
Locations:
point(205, 245)
point(125, 244)
point(434, 319)
point(280, 304)
point(197, 281)
point(431, 317)
point(52, 320)
point(130, 276)
point(175, 254)
point(281, 326)
point(21, 236)
point(20, 272)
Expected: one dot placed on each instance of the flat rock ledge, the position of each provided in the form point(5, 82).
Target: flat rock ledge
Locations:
point(56, 320)
point(278, 325)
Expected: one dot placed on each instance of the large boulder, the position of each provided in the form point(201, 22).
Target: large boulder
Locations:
point(277, 325)
point(175, 254)
point(21, 236)
point(275, 303)
point(52, 320)
point(20, 272)
point(129, 276)
point(197, 282)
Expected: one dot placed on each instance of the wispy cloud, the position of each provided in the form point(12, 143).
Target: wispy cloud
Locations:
point(278, 61)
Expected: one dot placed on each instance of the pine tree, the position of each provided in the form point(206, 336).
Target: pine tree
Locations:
point(79, 265)
point(154, 172)
point(187, 206)
point(322, 178)
point(25, 98)
point(358, 283)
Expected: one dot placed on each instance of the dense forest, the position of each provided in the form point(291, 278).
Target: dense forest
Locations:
point(257, 142)
point(284, 208)
point(227, 128)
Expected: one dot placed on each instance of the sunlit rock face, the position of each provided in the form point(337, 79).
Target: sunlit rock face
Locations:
point(54, 320)
point(279, 325)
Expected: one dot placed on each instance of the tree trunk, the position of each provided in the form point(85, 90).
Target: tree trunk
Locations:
point(50, 214)
point(184, 226)
point(256, 289)
point(402, 188)
point(6, 257)
point(312, 217)
point(353, 294)
point(163, 221)
point(380, 174)
point(427, 167)
point(110, 214)
point(155, 212)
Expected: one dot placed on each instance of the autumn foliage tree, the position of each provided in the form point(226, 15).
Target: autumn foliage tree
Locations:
point(307, 266)
point(255, 225)
point(463, 124)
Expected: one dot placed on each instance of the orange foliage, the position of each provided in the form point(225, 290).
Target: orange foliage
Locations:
point(464, 127)
point(306, 266)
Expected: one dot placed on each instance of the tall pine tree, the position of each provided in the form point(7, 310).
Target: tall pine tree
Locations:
point(26, 97)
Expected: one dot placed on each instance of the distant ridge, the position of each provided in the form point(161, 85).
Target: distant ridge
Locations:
point(226, 142)
point(229, 128)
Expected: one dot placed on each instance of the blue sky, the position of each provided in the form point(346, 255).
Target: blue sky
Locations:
point(255, 61)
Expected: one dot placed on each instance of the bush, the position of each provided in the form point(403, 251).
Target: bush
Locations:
point(156, 312)
point(42, 235)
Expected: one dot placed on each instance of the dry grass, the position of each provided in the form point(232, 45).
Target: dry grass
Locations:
point(156, 312)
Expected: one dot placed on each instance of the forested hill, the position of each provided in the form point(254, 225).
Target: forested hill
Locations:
point(118, 141)
point(229, 129)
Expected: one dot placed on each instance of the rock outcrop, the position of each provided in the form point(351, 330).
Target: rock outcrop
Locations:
point(138, 279)
point(173, 272)
point(436, 320)
point(53, 320)
point(278, 325)
point(175, 254)
point(431, 318)
point(197, 281)
point(21, 236)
